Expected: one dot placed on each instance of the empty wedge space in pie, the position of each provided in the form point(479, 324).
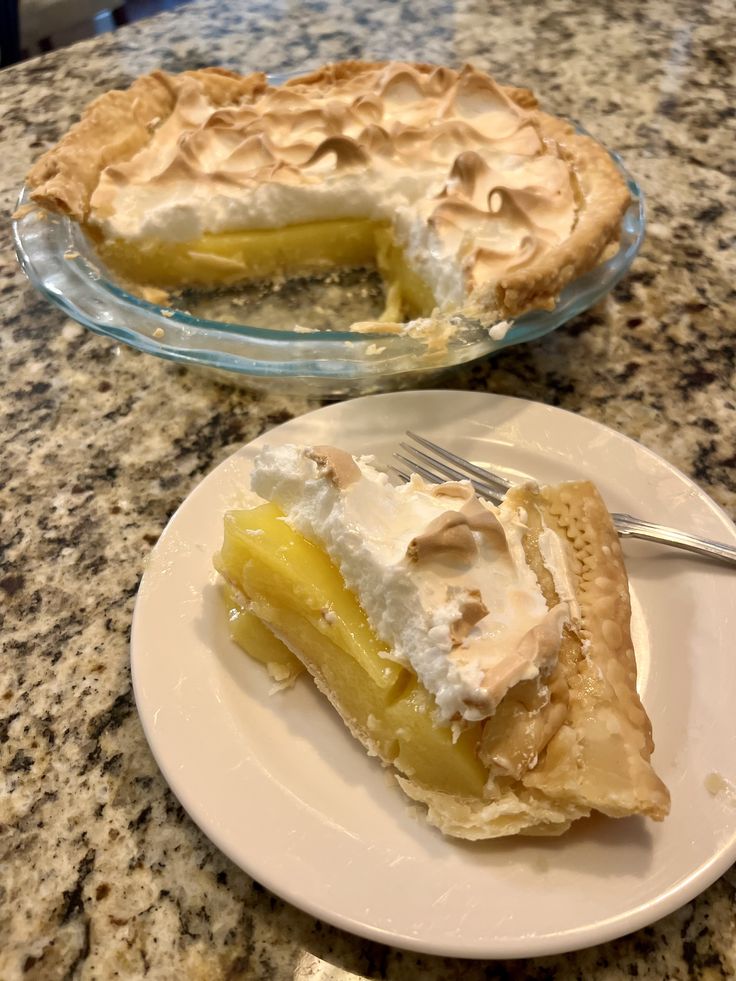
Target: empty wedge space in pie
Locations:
point(481, 652)
point(466, 197)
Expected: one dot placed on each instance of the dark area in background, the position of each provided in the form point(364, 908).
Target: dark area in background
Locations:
point(9, 36)
point(120, 13)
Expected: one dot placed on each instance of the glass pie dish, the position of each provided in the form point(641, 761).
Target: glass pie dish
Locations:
point(219, 332)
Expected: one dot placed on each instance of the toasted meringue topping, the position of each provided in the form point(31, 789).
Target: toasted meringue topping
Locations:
point(539, 645)
point(449, 592)
point(335, 464)
point(481, 518)
point(459, 169)
point(447, 533)
point(472, 610)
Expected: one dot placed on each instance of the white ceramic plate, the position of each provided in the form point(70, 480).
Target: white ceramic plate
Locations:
point(279, 785)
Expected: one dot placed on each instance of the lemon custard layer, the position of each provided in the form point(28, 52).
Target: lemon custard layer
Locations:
point(224, 258)
point(482, 652)
point(486, 205)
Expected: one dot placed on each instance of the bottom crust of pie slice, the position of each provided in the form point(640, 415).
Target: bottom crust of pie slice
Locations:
point(549, 755)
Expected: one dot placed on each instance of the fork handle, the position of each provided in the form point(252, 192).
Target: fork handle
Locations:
point(630, 527)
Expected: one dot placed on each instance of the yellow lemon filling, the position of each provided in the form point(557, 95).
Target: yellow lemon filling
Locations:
point(295, 592)
point(228, 258)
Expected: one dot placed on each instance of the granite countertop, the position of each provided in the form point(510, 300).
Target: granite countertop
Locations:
point(102, 874)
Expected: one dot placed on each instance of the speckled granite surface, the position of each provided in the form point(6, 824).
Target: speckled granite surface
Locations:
point(102, 875)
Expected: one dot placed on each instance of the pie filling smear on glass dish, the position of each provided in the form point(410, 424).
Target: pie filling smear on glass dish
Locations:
point(484, 653)
point(466, 197)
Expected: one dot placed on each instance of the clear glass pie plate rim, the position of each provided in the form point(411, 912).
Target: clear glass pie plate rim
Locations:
point(59, 261)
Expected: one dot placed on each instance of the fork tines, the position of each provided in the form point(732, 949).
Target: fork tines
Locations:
point(437, 464)
point(440, 464)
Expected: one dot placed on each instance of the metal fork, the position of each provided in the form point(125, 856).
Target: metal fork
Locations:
point(440, 464)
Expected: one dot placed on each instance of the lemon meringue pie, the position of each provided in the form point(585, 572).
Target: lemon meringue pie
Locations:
point(464, 194)
point(483, 653)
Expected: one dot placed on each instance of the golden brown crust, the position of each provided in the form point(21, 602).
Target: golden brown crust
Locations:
point(517, 811)
point(600, 756)
point(114, 127)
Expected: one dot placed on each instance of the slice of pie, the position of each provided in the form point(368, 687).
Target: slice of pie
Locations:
point(466, 196)
point(482, 652)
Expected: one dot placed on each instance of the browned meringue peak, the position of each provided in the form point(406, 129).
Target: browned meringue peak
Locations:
point(472, 611)
point(481, 518)
point(477, 185)
point(446, 535)
point(505, 212)
point(487, 265)
point(347, 152)
point(450, 534)
point(538, 647)
point(335, 464)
